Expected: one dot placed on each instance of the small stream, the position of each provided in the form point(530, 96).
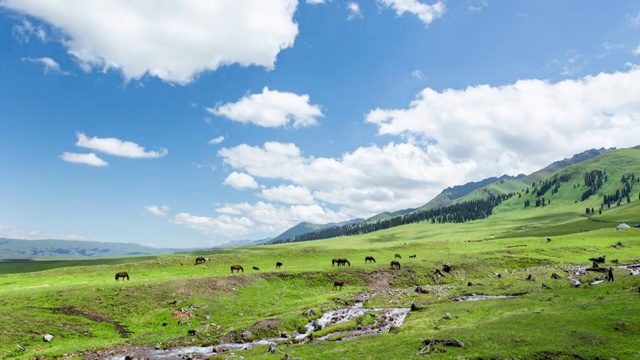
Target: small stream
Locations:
point(635, 269)
point(386, 318)
point(475, 297)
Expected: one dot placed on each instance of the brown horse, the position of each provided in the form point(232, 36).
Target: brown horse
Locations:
point(122, 275)
point(369, 258)
point(200, 260)
point(398, 256)
point(237, 268)
point(338, 284)
point(395, 265)
point(278, 265)
point(342, 262)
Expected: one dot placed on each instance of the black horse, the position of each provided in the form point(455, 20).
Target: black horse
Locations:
point(278, 265)
point(122, 275)
point(341, 261)
point(412, 256)
point(256, 268)
point(398, 256)
point(200, 260)
point(338, 284)
point(369, 258)
point(237, 268)
point(395, 265)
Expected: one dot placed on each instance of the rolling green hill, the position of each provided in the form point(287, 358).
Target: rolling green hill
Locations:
point(505, 194)
point(541, 314)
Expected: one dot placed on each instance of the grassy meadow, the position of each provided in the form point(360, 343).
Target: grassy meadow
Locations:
point(85, 309)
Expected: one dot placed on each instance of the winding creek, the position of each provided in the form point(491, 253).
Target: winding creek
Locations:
point(385, 319)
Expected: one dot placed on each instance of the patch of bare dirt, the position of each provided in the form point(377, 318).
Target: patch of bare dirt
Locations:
point(181, 314)
point(267, 324)
point(379, 280)
point(69, 310)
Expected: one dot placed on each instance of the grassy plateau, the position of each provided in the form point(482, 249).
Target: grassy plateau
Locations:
point(170, 301)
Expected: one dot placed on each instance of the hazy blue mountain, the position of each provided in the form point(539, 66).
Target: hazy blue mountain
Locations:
point(22, 249)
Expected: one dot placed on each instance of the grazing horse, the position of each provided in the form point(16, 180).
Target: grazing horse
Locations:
point(599, 259)
point(447, 267)
point(255, 268)
point(122, 275)
point(338, 284)
point(398, 256)
point(395, 265)
point(333, 261)
point(342, 262)
point(369, 258)
point(237, 268)
point(200, 260)
point(412, 256)
point(278, 265)
point(437, 272)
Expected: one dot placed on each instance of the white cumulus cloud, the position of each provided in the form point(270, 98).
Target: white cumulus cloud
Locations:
point(520, 127)
point(161, 210)
point(240, 181)
point(174, 41)
point(86, 159)
point(354, 11)
point(271, 108)
point(117, 147)
point(288, 194)
point(260, 218)
point(425, 12)
point(216, 140)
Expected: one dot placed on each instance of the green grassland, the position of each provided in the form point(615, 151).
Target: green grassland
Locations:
point(85, 309)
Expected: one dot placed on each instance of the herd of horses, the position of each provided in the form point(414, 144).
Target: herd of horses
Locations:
point(336, 284)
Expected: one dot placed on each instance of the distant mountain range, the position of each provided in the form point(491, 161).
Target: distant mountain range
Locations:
point(450, 195)
point(23, 249)
point(33, 249)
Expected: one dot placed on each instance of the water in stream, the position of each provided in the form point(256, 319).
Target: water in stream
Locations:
point(385, 319)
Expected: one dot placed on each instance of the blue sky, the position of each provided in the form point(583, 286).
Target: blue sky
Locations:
point(195, 124)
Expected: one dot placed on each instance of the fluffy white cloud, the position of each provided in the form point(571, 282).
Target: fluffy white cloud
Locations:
point(457, 136)
point(117, 147)
point(86, 159)
point(288, 194)
point(271, 108)
point(636, 51)
point(426, 13)
point(224, 225)
point(362, 183)
point(172, 41)
point(158, 210)
point(48, 64)
point(240, 181)
point(262, 219)
point(522, 126)
point(354, 11)
point(216, 141)
point(315, 2)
